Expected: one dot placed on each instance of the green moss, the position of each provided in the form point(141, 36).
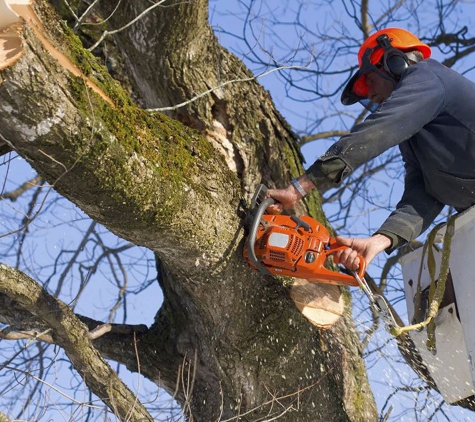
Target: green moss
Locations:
point(134, 144)
point(91, 66)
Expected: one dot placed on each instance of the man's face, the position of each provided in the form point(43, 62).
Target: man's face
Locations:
point(379, 87)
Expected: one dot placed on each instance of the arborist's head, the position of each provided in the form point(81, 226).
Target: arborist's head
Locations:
point(382, 59)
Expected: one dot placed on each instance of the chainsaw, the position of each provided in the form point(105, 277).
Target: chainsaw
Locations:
point(292, 246)
point(299, 247)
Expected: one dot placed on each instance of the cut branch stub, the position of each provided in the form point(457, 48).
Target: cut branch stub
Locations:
point(17, 12)
point(321, 304)
point(11, 45)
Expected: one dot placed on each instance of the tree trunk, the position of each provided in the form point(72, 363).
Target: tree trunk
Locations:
point(175, 189)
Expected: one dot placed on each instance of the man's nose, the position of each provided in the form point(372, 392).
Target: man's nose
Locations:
point(371, 94)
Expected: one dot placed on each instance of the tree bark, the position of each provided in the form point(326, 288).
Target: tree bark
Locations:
point(175, 189)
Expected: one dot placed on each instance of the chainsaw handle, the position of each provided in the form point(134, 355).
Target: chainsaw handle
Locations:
point(300, 223)
point(334, 248)
point(253, 230)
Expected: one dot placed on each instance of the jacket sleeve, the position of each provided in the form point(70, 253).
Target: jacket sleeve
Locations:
point(417, 99)
point(416, 210)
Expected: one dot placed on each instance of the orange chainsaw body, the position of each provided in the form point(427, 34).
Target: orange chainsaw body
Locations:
point(297, 247)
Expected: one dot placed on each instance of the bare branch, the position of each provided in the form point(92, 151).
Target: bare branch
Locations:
point(222, 85)
point(27, 335)
point(115, 31)
point(322, 135)
point(81, 19)
point(28, 374)
point(16, 193)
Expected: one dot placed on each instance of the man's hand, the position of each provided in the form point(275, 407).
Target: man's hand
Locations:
point(368, 248)
point(288, 197)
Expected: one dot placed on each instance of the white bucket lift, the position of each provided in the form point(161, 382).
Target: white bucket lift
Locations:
point(452, 366)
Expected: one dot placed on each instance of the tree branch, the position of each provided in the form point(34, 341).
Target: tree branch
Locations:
point(14, 194)
point(72, 335)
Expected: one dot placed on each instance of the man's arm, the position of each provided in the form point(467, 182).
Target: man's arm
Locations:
point(413, 104)
point(414, 213)
point(416, 210)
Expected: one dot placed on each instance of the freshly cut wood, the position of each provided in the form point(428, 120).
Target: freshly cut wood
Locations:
point(321, 304)
point(7, 15)
point(11, 46)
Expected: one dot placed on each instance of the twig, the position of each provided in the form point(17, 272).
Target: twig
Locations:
point(28, 374)
point(80, 20)
point(106, 33)
point(222, 85)
point(297, 393)
point(138, 376)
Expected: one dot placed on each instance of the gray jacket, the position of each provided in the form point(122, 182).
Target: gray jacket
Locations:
point(431, 116)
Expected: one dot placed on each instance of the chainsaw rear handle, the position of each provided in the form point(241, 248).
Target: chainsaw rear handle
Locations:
point(334, 248)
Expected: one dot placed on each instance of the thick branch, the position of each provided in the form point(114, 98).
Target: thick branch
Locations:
point(69, 333)
point(97, 155)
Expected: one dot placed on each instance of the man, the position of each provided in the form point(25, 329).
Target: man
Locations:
point(423, 107)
